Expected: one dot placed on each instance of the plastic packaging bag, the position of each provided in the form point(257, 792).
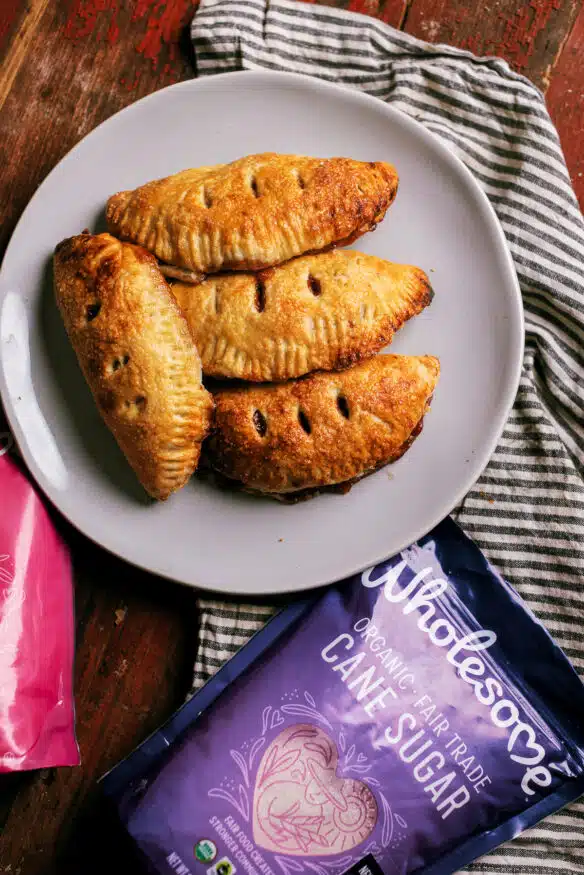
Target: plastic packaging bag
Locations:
point(406, 721)
point(37, 727)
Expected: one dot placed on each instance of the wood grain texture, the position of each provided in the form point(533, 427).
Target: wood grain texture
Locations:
point(565, 100)
point(11, 12)
point(109, 55)
point(20, 46)
point(67, 66)
point(528, 34)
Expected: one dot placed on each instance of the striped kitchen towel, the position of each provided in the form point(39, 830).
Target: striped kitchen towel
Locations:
point(526, 511)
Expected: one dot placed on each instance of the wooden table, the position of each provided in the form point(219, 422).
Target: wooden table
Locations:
point(67, 66)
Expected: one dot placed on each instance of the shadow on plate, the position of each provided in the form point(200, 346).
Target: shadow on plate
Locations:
point(100, 224)
point(94, 436)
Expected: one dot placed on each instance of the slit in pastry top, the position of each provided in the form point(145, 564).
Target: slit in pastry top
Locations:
point(137, 354)
point(324, 429)
point(256, 212)
point(317, 312)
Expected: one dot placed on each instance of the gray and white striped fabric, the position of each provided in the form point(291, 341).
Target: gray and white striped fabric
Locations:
point(526, 512)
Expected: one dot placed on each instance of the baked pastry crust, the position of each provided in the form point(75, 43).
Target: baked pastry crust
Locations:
point(317, 312)
point(137, 355)
point(256, 212)
point(324, 429)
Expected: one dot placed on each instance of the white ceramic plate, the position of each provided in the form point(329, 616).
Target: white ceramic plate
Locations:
point(233, 543)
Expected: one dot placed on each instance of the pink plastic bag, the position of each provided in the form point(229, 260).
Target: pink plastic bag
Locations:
point(37, 718)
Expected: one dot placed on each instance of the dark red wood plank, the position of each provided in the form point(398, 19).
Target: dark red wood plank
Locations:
point(565, 99)
point(10, 14)
point(109, 54)
point(529, 34)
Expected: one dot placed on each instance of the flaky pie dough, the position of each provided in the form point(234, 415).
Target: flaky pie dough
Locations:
point(256, 212)
point(324, 429)
point(317, 312)
point(137, 354)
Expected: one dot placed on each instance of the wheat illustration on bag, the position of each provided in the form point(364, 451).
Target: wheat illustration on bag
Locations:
point(6, 575)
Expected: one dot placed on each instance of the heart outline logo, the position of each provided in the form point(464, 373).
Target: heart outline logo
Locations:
point(301, 806)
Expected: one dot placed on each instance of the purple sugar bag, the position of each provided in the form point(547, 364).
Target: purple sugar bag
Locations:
point(405, 721)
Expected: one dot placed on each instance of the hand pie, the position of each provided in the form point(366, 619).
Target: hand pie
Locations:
point(317, 312)
point(255, 212)
point(324, 429)
point(137, 354)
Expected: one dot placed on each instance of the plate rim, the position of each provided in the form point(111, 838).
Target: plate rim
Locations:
point(504, 404)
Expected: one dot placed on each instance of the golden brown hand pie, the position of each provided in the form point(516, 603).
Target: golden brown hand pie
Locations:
point(256, 212)
point(317, 312)
point(324, 429)
point(137, 354)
